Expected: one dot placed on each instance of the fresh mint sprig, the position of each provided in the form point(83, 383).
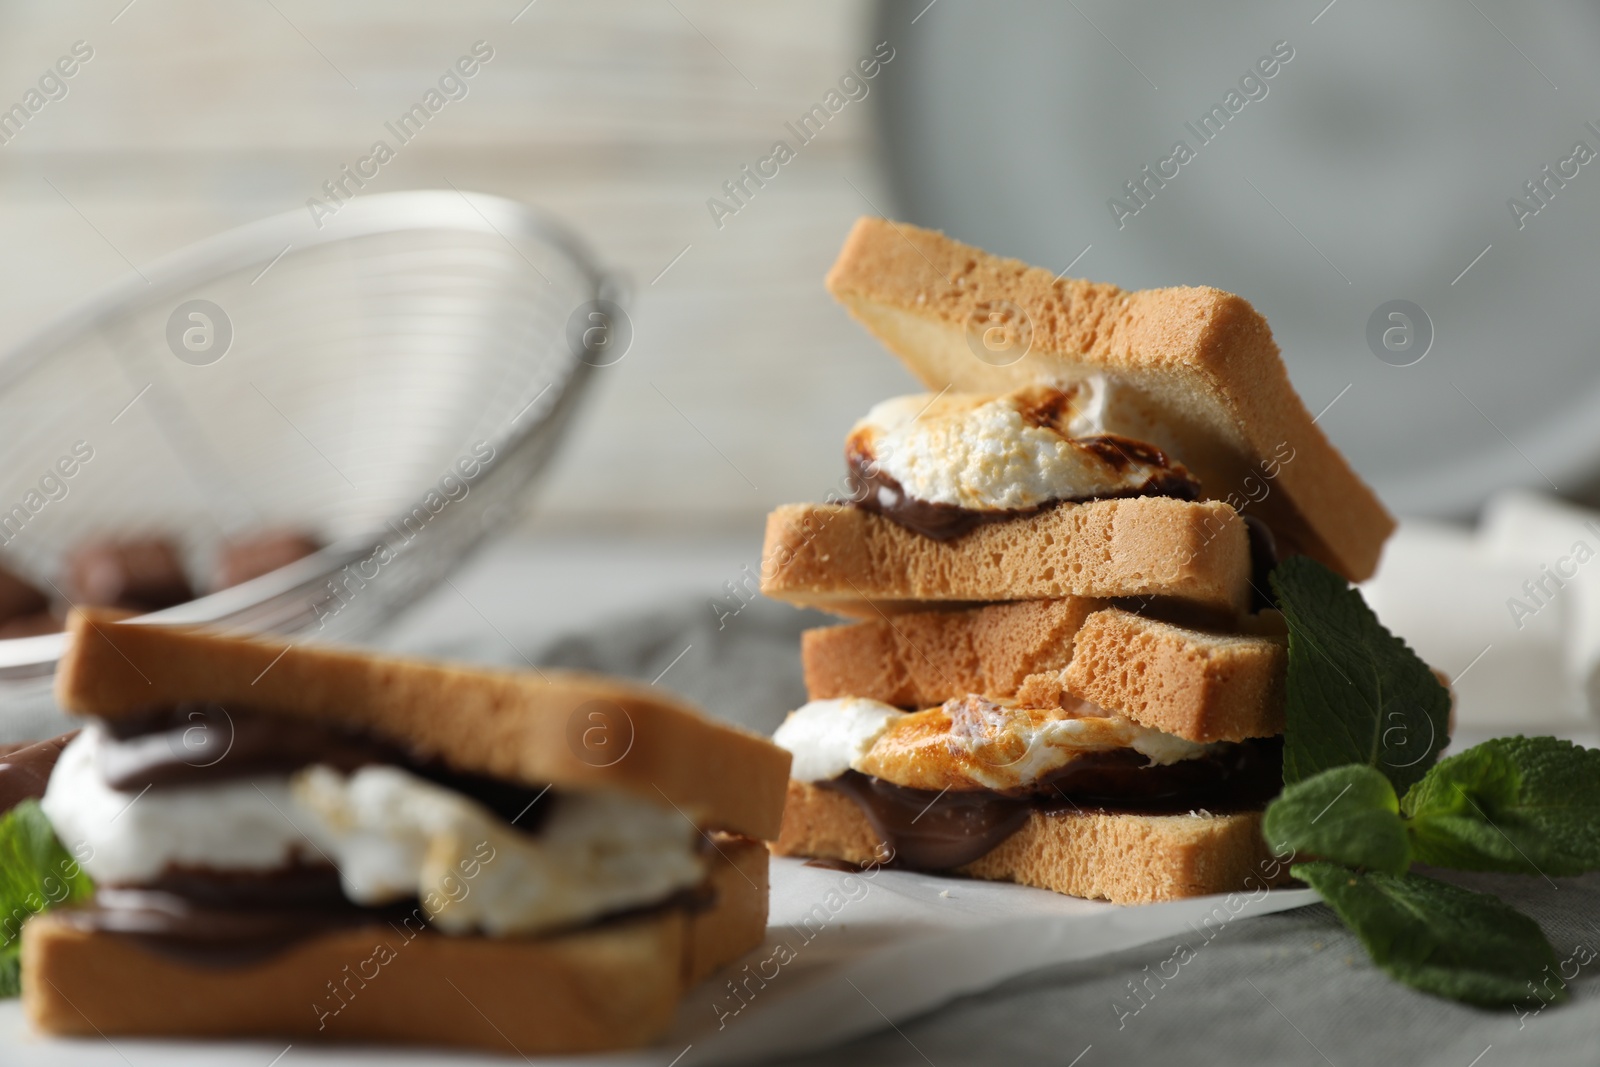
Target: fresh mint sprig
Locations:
point(1364, 798)
point(36, 874)
point(1528, 805)
point(1357, 693)
point(1437, 937)
point(1346, 814)
point(1518, 805)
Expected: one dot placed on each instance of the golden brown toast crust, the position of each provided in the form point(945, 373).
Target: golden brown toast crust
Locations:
point(1204, 358)
point(1126, 859)
point(856, 563)
point(519, 726)
point(611, 986)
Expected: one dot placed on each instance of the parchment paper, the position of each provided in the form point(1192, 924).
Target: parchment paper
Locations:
point(845, 954)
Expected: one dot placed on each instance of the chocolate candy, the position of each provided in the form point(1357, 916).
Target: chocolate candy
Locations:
point(17, 597)
point(30, 625)
point(252, 556)
point(139, 574)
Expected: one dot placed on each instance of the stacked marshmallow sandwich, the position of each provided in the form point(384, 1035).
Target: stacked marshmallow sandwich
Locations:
point(1064, 669)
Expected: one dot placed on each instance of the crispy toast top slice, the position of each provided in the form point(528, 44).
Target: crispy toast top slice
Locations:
point(561, 728)
point(1205, 372)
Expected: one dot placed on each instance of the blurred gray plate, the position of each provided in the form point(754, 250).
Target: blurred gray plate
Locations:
point(1377, 167)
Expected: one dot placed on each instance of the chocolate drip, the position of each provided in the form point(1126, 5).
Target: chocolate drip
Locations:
point(1263, 559)
point(298, 885)
point(25, 769)
point(212, 933)
point(932, 833)
point(223, 919)
point(875, 490)
point(929, 831)
point(199, 744)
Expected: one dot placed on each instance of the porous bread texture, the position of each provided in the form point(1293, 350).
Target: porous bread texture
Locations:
point(609, 986)
point(517, 726)
point(859, 564)
point(924, 658)
point(1216, 393)
point(1199, 685)
point(1123, 858)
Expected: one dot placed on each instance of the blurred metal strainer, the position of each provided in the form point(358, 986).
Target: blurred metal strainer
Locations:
point(389, 383)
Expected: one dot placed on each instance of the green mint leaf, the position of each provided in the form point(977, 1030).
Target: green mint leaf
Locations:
point(1529, 805)
point(36, 873)
point(1356, 693)
point(1439, 938)
point(1347, 814)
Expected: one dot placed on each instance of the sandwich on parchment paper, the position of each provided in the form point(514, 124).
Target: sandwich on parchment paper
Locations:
point(309, 842)
point(1065, 670)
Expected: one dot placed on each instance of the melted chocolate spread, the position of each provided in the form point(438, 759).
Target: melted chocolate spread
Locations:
point(197, 744)
point(193, 744)
point(933, 832)
point(227, 918)
point(875, 490)
point(215, 919)
point(1264, 558)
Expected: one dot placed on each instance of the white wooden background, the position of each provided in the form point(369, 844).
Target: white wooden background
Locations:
point(621, 116)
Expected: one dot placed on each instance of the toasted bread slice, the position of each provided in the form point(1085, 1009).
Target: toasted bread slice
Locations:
point(519, 726)
point(924, 658)
point(1123, 858)
point(603, 987)
point(1202, 361)
point(1198, 684)
point(857, 563)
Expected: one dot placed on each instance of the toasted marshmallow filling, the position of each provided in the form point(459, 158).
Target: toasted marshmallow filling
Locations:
point(829, 737)
point(129, 839)
point(390, 834)
point(1013, 451)
point(966, 743)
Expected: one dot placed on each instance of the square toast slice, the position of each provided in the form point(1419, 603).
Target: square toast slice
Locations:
point(536, 728)
point(1121, 857)
point(858, 564)
point(613, 985)
point(1201, 685)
